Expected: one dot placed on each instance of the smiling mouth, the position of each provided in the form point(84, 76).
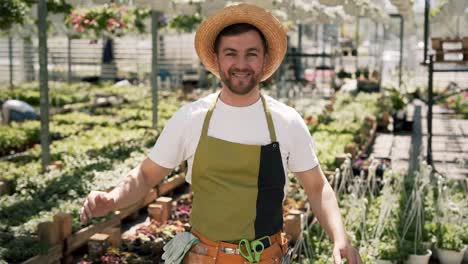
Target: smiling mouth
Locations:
point(241, 74)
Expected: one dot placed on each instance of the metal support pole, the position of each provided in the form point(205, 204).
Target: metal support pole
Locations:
point(376, 40)
point(69, 59)
point(43, 82)
point(381, 61)
point(299, 50)
point(400, 66)
point(10, 57)
point(154, 65)
point(429, 110)
point(427, 7)
point(357, 43)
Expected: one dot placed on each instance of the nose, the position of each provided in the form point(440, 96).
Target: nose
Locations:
point(241, 63)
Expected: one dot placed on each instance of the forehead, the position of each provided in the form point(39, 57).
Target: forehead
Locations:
point(246, 40)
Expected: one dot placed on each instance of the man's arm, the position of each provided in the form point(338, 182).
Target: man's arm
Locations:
point(136, 186)
point(323, 203)
point(131, 190)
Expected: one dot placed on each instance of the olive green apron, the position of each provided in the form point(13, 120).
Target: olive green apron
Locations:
point(238, 188)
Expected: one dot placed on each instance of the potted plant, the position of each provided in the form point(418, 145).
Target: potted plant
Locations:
point(415, 234)
point(418, 252)
point(388, 252)
point(450, 247)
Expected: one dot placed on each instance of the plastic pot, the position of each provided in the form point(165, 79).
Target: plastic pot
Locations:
point(450, 256)
point(419, 259)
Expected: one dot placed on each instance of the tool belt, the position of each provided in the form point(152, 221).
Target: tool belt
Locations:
point(218, 252)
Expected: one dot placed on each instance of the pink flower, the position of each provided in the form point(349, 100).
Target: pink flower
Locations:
point(86, 21)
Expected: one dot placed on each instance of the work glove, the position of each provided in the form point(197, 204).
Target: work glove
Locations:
point(175, 250)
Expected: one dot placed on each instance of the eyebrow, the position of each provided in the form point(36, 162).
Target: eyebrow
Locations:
point(234, 50)
point(229, 50)
point(253, 49)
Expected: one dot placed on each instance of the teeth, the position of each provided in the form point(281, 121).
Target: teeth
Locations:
point(241, 74)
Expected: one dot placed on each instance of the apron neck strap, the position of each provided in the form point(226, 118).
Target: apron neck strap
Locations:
point(271, 127)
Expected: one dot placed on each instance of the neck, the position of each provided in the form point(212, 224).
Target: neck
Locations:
point(238, 100)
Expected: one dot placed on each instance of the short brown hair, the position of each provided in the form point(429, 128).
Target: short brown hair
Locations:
point(237, 29)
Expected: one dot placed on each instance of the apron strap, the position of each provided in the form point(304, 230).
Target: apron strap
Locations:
point(271, 127)
point(206, 123)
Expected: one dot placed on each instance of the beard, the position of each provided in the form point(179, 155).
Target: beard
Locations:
point(238, 81)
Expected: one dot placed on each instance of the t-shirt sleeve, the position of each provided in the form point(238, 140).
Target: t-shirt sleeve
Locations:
point(170, 148)
point(302, 155)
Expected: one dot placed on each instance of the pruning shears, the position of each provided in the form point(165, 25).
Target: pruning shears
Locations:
point(252, 251)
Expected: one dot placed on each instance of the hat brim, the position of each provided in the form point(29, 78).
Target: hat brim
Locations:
point(264, 21)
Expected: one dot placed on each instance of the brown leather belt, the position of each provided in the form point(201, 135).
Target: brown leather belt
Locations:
point(211, 252)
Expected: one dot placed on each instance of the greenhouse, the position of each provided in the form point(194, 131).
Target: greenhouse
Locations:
point(249, 131)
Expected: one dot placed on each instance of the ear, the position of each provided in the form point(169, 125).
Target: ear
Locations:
point(265, 59)
point(215, 55)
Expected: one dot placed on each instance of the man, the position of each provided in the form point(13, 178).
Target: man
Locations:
point(16, 110)
point(238, 144)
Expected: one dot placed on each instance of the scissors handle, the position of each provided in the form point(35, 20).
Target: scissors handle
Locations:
point(245, 250)
point(257, 248)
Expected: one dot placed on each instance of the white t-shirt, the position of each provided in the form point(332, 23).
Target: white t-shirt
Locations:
point(246, 125)
point(18, 106)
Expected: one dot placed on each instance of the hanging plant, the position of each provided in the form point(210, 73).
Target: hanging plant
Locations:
point(13, 12)
point(59, 7)
point(185, 23)
point(113, 20)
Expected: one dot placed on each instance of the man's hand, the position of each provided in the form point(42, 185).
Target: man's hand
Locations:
point(97, 204)
point(346, 251)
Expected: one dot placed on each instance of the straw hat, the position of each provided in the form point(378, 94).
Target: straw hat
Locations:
point(271, 28)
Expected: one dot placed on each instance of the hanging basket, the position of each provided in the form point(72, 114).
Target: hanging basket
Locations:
point(450, 256)
point(420, 259)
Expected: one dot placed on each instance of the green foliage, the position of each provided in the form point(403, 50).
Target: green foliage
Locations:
point(58, 6)
point(388, 250)
point(13, 12)
point(459, 103)
point(185, 23)
point(101, 146)
point(398, 98)
point(16, 11)
point(449, 236)
point(329, 145)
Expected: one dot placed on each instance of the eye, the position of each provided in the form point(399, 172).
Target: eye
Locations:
point(252, 54)
point(230, 54)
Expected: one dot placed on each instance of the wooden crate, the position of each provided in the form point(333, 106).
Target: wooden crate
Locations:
point(443, 53)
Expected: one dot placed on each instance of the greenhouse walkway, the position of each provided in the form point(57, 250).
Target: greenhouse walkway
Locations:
point(449, 143)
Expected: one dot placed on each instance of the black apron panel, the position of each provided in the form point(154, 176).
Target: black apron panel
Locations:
point(271, 181)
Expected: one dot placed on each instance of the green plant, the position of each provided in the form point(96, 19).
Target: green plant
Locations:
point(450, 237)
point(388, 250)
point(398, 99)
point(185, 23)
point(13, 12)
